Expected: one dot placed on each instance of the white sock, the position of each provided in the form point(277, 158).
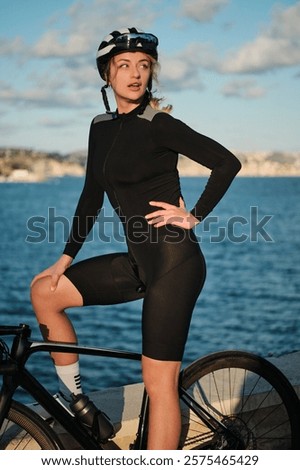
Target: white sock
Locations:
point(69, 379)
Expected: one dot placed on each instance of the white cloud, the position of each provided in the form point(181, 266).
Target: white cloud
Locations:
point(82, 74)
point(178, 74)
point(286, 22)
point(73, 80)
point(11, 46)
point(71, 46)
point(202, 11)
point(46, 97)
point(247, 89)
point(277, 46)
point(183, 70)
point(88, 24)
point(52, 45)
point(68, 76)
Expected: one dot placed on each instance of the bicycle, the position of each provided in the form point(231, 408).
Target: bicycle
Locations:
point(230, 400)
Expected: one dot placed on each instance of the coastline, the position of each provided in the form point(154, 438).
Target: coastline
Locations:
point(26, 165)
point(260, 164)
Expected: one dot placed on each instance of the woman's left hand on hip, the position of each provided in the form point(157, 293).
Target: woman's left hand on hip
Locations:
point(170, 214)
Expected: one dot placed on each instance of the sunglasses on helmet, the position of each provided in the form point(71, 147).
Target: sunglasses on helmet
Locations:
point(130, 40)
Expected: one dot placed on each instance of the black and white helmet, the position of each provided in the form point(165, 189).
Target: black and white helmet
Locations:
point(125, 39)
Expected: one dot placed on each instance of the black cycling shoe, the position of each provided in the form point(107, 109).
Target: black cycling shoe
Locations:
point(90, 416)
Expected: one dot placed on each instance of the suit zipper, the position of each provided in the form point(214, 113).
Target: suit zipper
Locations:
point(105, 163)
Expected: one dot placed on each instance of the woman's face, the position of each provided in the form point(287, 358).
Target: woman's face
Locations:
point(129, 76)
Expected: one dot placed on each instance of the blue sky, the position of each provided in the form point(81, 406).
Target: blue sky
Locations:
point(230, 68)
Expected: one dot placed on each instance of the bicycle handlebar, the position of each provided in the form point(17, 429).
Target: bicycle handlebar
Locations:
point(13, 330)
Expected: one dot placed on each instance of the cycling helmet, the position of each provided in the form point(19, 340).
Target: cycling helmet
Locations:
point(125, 39)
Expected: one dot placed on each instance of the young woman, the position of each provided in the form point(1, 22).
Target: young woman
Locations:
point(132, 156)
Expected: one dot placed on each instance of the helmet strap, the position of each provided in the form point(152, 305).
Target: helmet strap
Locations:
point(105, 99)
point(147, 97)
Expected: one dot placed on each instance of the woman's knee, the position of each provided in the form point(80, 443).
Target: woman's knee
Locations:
point(64, 296)
point(160, 376)
point(41, 290)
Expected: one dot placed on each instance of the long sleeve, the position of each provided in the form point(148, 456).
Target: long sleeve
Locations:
point(88, 207)
point(177, 136)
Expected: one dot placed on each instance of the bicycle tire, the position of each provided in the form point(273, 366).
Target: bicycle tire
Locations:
point(249, 395)
point(25, 430)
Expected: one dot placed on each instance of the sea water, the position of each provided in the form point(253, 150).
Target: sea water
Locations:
point(250, 300)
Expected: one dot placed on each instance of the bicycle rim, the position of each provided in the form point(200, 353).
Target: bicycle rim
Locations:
point(25, 430)
point(248, 395)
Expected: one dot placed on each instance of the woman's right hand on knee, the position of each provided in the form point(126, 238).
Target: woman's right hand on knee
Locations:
point(55, 271)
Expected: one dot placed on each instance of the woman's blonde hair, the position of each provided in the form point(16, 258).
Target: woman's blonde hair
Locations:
point(154, 101)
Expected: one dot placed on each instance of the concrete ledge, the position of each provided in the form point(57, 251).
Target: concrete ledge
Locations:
point(122, 405)
point(289, 364)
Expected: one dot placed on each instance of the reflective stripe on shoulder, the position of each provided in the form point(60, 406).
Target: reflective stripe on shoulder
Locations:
point(149, 113)
point(103, 117)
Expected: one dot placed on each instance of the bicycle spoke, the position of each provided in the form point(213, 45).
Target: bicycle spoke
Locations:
point(252, 399)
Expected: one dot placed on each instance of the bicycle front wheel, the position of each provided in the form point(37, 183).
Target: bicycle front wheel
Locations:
point(25, 430)
point(248, 396)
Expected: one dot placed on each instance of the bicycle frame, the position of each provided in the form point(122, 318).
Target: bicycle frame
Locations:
point(16, 375)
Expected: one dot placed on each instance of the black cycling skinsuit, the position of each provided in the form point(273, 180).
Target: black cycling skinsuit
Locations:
point(133, 158)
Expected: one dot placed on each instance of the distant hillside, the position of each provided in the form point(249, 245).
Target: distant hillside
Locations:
point(253, 164)
point(20, 164)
